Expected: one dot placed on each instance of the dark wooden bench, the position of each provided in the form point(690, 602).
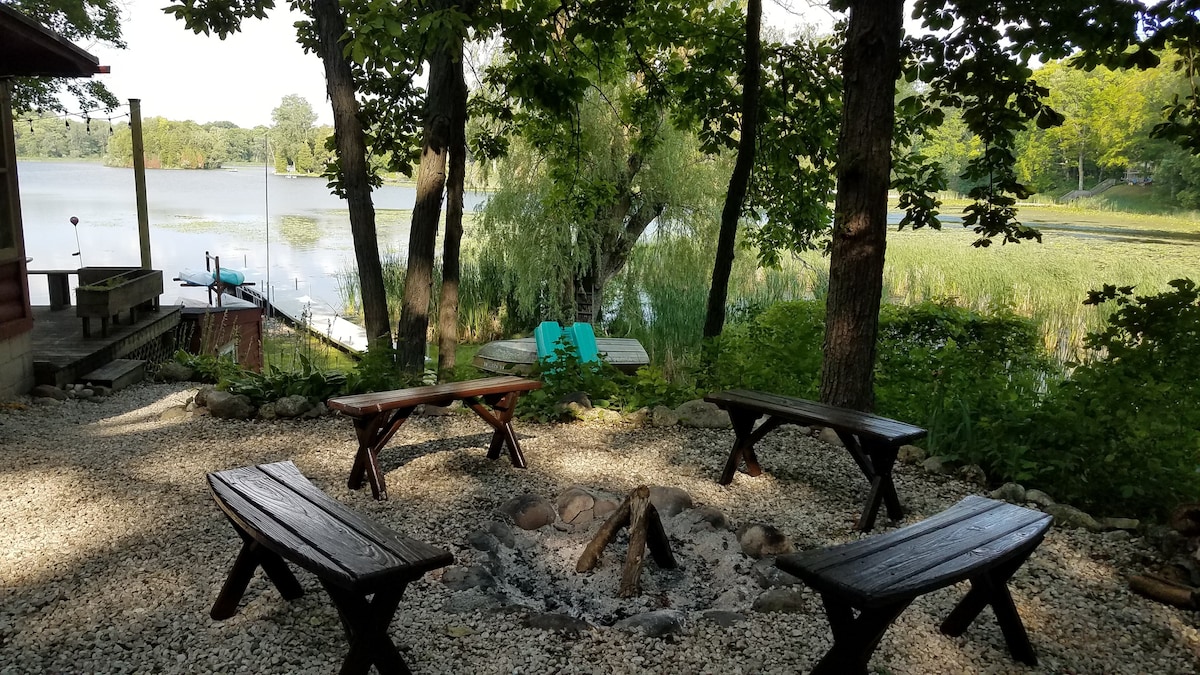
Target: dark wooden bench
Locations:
point(280, 516)
point(979, 539)
point(377, 417)
point(871, 440)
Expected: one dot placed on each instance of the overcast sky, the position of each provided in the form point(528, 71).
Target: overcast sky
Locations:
point(183, 76)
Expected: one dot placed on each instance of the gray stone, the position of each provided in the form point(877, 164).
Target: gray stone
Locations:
point(1038, 497)
point(580, 398)
point(48, 391)
point(639, 417)
point(472, 600)
point(1069, 516)
point(662, 416)
point(1013, 493)
point(706, 519)
point(723, 618)
point(830, 436)
point(101, 391)
point(603, 415)
point(767, 575)
point(225, 405)
point(702, 415)
point(482, 540)
point(1167, 540)
point(292, 406)
point(47, 401)
point(1130, 524)
point(560, 623)
point(267, 411)
point(173, 371)
point(529, 512)
point(503, 533)
point(173, 414)
point(911, 454)
point(936, 465)
point(654, 624)
point(442, 410)
point(605, 505)
point(780, 600)
point(669, 501)
point(202, 393)
point(464, 578)
point(1118, 535)
point(973, 474)
point(317, 410)
point(575, 505)
point(759, 540)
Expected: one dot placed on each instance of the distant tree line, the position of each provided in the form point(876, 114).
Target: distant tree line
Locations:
point(292, 143)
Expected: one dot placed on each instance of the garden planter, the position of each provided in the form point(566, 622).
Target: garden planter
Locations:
point(104, 293)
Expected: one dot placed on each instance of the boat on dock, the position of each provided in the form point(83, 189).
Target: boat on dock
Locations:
point(516, 357)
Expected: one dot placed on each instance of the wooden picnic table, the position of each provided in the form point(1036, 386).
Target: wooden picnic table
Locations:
point(871, 440)
point(377, 416)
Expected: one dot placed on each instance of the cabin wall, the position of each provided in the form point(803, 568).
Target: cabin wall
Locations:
point(16, 316)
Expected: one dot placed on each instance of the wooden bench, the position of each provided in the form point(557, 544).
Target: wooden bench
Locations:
point(871, 440)
point(280, 516)
point(377, 417)
point(59, 284)
point(979, 539)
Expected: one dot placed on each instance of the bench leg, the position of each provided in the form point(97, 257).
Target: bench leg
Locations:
point(252, 556)
point(500, 418)
point(854, 638)
point(373, 433)
point(366, 624)
point(876, 461)
point(991, 588)
point(745, 436)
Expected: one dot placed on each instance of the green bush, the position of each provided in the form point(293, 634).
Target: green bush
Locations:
point(208, 368)
point(275, 383)
point(1121, 436)
point(779, 350)
point(966, 377)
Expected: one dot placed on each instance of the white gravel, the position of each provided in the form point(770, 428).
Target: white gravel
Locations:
point(112, 551)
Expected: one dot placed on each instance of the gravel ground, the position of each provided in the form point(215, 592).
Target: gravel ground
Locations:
point(112, 551)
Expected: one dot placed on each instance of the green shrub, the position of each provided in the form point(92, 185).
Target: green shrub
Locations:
point(565, 375)
point(208, 368)
point(275, 383)
point(1122, 435)
point(377, 371)
point(967, 377)
point(778, 350)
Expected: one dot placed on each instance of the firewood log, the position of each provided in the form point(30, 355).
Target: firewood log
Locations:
point(591, 554)
point(1164, 591)
point(631, 576)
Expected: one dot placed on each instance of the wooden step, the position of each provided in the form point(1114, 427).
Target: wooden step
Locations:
point(118, 374)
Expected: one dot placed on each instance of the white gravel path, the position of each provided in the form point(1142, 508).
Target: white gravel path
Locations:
point(112, 551)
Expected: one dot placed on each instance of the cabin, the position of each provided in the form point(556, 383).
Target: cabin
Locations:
point(26, 49)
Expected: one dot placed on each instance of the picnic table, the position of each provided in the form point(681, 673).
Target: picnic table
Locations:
point(378, 416)
point(871, 440)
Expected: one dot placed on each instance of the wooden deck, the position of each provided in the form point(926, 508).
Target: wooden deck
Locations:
point(62, 355)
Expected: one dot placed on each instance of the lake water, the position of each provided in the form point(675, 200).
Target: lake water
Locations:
point(245, 216)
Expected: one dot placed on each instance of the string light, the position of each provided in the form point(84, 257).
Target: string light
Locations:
point(84, 114)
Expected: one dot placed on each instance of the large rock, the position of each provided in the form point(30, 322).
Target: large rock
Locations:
point(911, 454)
point(266, 411)
point(702, 415)
point(654, 624)
point(669, 501)
point(1130, 524)
point(936, 465)
point(48, 391)
point(830, 436)
point(1069, 516)
point(767, 575)
point(780, 600)
point(706, 519)
point(292, 406)
point(575, 505)
point(662, 416)
point(1012, 493)
point(1038, 497)
point(529, 512)
point(174, 371)
point(974, 474)
point(759, 540)
point(201, 397)
point(229, 406)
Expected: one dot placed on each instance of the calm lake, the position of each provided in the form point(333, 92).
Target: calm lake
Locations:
point(243, 215)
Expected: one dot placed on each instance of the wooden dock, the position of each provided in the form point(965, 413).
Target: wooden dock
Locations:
point(62, 355)
point(311, 314)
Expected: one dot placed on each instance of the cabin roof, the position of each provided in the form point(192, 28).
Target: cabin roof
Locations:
point(28, 48)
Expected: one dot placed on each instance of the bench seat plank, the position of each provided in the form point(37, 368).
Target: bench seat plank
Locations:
point(359, 405)
point(363, 566)
point(316, 533)
point(803, 411)
point(979, 539)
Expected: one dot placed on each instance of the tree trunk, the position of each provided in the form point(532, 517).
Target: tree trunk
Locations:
point(870, 67)
point(352, 156)
point(448, 304)
point(431, 182)
point(1081, 167)
point(739, 182)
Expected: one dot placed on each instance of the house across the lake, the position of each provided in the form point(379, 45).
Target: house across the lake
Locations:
point(26, 49)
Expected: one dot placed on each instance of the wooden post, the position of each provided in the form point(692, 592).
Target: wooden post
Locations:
point(139, 179)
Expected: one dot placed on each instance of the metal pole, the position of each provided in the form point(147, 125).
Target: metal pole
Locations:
point(139, 179)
